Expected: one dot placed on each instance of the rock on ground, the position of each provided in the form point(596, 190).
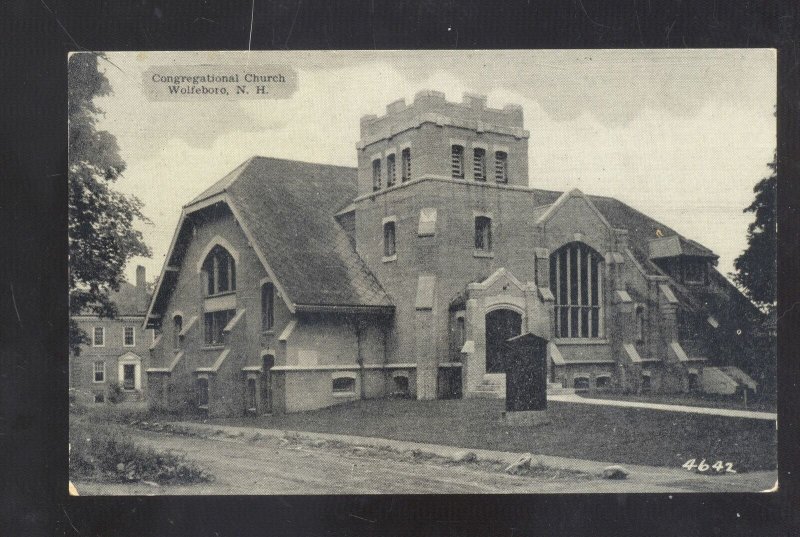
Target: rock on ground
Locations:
point(615, 472)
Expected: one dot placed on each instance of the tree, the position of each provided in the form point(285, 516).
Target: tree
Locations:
point(100, 226)
point(756, 267)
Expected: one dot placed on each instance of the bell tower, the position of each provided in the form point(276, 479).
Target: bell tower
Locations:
point(432, 137)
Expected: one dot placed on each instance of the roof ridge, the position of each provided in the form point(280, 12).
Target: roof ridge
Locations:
point(262, 157)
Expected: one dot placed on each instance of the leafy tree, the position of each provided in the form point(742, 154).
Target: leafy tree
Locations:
point(756, 267)
point(100, 227)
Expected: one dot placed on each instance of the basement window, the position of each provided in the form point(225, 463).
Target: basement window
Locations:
point(344, 386)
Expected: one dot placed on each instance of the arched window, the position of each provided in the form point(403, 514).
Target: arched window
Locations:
point(576, 281)
point(202, 392)
point(267, 306)
point(177, 327)
point(220, 269)
point(389, 247)
point(483, 233)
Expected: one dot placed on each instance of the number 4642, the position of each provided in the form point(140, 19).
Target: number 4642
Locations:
point(703, 466)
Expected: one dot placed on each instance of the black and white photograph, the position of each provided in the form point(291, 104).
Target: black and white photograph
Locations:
point(422, 272)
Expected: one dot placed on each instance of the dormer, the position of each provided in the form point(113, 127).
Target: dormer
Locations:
point(432, 137)
point(684, 260)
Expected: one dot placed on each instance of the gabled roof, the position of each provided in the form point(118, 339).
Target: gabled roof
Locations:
point(287, 209)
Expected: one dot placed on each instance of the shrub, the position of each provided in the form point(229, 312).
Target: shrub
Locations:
point(115, 392)
point(107, 452)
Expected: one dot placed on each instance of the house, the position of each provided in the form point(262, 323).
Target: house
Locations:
point(291, 286)
point(118, 351)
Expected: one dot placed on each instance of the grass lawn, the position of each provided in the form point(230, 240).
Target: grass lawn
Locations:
point(706, 400)
point(622, 435)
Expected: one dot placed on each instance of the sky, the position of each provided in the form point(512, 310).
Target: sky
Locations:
point(681, 135)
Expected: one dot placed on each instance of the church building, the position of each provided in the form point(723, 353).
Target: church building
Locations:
point(291, 286)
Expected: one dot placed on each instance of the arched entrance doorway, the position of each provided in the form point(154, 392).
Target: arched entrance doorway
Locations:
point(501, 324)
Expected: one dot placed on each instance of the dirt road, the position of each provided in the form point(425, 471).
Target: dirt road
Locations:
point(269, 468)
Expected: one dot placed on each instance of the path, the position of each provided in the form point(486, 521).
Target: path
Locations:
point(266, 467)
point(729, 412)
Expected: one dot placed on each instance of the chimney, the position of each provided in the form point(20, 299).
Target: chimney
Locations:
point(140, 279)
point(141, 288)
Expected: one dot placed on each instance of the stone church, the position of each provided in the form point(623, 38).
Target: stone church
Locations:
point(291, 285)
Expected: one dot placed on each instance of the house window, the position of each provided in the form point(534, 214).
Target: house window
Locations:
point(483, 233)
point(479, 164)
point(220, 269)
point(201, 388)
point(344, 385)
point(389, 248)
point(99, 337)
point(177, 327)
point(215, 323)
point(457, 161)
point(694, 382)
point(602, 383)
point(695, 271)
point(501, 167)
point(267, 306)
point(100, 371)
point(576, 282)
point(128, 336)
point(391, 170)
point(406, 163)
point(376, 174)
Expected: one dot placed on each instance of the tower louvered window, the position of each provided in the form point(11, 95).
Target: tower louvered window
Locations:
point(376, 174)
point(576, 281)
point(406, 163)
point(391, 170)
point(457, 161)
point(479, 164)
point(501, 167)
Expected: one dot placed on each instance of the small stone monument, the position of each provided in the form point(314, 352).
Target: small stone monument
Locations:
point(525, 363)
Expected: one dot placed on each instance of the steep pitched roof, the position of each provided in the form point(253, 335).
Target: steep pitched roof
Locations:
point(288, 207)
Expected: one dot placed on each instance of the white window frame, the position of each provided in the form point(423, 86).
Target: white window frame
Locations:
point(388, 220)
point(133, 336)
point(94, 372)
point(94, 336)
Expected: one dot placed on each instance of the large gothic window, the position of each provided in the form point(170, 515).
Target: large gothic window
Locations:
point(576, 281)
point(220, 269)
